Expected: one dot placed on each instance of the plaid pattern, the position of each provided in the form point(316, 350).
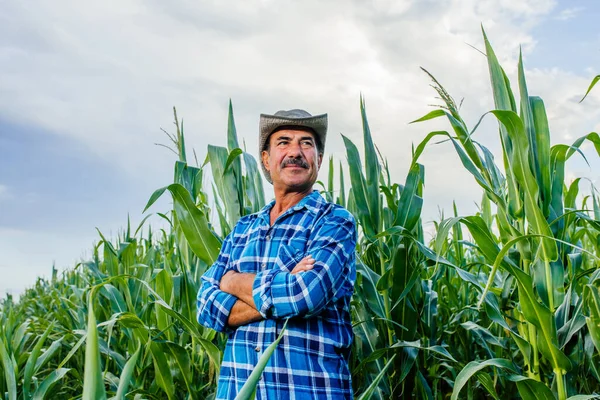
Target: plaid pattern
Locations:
point(311, 361)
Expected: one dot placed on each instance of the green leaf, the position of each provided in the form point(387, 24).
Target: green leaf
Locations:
point(410, 204)
point(181, 359)
point(430, 115)
point(542, 156)
point(530, 389)
point(254, 183)
point(226, 183)
point(194, 223)
point(234, 160)
point(529, 126)
point(516, 131)
point(373, 171)
point(473, 367)
point(232, 139)
point(369, 391)
point(591, 296)
point(9, 371)
point(504, 100)
point(155, 196)
point(32, 360)
point(127, 374)
point(465, 160)
point(534, 312)
point(249, 387)
point(439, 350)
point(359, 189)
point(487, 382)
point(594, 81)
point(192, 328)
point(162, 370)
point(93, 384)
point(189, 177)
point(52, 379)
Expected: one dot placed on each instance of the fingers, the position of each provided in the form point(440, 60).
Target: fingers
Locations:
point(308, 260)
point(306, 264)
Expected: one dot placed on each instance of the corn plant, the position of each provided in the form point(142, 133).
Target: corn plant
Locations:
point(541, 259)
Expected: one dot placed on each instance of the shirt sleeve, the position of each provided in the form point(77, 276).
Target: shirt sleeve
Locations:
point(280, 294)
point(214, 305)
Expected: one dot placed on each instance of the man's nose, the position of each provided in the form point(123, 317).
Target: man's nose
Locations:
point(295, 150)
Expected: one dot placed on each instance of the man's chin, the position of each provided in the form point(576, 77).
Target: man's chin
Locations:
point(297, 184)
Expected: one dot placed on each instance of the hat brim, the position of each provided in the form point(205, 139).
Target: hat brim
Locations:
point(270, 123)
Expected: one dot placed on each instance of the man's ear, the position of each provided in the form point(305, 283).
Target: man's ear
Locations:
point(320, 159)
point(265, 159)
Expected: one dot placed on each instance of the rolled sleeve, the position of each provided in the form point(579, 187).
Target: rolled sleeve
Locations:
point(214, 305)
point(261, 291)
point(281, 294)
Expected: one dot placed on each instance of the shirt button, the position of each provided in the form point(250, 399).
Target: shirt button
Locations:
point(257, 349)
point(268, 237)
point(263, 265)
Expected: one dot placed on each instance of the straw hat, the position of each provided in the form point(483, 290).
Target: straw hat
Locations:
point(291, 118)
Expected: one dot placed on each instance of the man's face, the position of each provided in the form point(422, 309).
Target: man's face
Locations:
point(293, 159)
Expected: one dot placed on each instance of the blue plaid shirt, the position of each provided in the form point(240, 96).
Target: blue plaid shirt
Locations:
point(311, 361)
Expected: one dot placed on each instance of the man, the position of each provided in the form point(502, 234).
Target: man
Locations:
point(294, 260)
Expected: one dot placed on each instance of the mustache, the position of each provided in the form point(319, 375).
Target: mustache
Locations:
point(294, 161)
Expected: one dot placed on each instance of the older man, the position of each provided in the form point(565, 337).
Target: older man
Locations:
point(294, 260)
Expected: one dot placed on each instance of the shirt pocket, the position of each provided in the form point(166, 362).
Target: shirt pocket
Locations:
point(287, 257)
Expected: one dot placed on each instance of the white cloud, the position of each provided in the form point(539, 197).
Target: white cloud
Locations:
point(569, 13)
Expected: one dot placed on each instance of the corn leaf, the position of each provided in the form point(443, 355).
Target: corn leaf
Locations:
point(247, 391)
point(473, 367)
point(530, 389)
point(127, 374)
point(9, 371)
point(515, 129)
point(194, 223)
point(594, 81)
point(48, 383)
point(162, 370)
point(373, 169)
point(93, 384)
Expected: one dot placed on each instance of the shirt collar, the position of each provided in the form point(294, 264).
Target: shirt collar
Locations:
point(311, 202)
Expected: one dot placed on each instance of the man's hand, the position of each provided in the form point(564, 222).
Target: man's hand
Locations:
point(306, 264)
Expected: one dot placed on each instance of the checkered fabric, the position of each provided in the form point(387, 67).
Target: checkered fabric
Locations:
point(311, 361)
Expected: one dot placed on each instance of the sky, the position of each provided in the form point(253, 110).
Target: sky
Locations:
point(85, 88)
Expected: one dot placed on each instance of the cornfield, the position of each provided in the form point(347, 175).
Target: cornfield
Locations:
point(501, 304)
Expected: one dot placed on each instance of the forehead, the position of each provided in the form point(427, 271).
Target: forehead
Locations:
point(292, 133)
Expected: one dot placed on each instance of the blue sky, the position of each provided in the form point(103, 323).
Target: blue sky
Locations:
point(569, 38)
point(85, 89)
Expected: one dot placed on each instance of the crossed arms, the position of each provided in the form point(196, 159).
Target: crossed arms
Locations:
point(228, 298)
point(240, 285)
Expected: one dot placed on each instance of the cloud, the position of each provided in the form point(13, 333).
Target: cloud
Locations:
point(105, 75)
point(569, 13)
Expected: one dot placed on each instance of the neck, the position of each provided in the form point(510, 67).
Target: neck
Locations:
point(286, 200)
